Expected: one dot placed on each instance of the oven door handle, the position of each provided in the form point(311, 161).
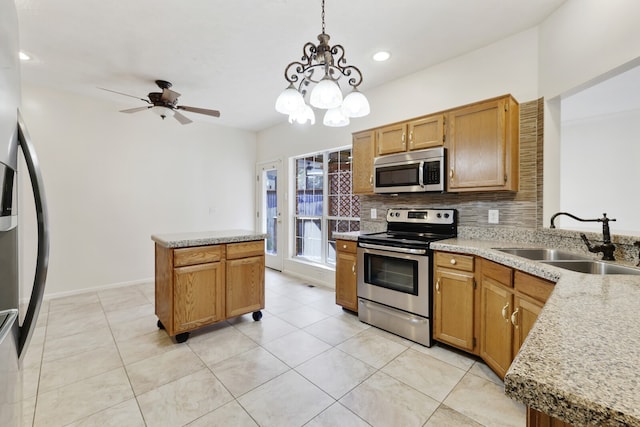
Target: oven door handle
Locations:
point(393, 249)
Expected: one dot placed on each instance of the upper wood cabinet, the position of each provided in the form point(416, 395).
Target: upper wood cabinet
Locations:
point(417, 134)
point(483, 146)
point(362, 153)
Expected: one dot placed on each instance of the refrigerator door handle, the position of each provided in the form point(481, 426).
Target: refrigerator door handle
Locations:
point(42, 262)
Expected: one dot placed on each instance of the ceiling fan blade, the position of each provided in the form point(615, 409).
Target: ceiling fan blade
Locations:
point(135, 110)
point(126, 94)
point(214, 113)
point(182, 118)
point(169, 96)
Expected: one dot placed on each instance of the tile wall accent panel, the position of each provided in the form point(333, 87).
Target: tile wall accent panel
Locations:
point(522, 209)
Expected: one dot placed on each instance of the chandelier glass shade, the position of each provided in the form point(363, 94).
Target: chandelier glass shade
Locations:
point(323, 67)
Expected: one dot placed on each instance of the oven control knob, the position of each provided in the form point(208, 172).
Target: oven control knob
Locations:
point(446, 215)
point(439, 215)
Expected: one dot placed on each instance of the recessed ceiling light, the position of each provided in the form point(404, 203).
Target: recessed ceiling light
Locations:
point(24, 56)
point(381, 56)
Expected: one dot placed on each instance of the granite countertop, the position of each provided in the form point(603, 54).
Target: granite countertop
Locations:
point(581, 361)
point(201, 238)
point(349, 235)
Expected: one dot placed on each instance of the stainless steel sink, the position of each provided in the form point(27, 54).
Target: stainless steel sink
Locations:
point(543, 254)
point(593, 267)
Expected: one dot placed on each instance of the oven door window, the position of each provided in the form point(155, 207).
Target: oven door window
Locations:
point(398, 274)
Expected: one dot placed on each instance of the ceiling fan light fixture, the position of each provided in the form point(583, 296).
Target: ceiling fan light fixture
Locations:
point(327, 61)
point(162, 111)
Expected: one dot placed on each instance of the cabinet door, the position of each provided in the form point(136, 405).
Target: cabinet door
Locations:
point(363, 152)
point(245, 285)
point(523, 317)
point(454, 308)
point(482, 147)
point(496, 304)
point(346, 285)
point(392, 139)
point(198, 296)
point(426, 132)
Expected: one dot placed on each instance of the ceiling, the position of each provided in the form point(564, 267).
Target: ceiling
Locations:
point(230, 55)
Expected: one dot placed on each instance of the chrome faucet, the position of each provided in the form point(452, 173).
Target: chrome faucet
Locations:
point(607, 248)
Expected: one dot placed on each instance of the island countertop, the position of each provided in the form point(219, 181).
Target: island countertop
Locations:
point(202, 238)
point(581, 361)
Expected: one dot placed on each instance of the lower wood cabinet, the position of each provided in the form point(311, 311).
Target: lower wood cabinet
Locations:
point(202, 285)
point(485, 308)
point(454, 299)
point(346, 284)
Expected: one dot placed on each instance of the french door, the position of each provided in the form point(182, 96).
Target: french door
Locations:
point(269, 211)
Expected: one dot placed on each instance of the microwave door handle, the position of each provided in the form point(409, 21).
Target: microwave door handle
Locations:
point(421, 174)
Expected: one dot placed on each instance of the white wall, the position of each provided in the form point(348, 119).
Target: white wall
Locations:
point(114, 179)
point(580, 44)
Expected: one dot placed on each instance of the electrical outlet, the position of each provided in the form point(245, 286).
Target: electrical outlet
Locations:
point(374, 213)
point(494, 216)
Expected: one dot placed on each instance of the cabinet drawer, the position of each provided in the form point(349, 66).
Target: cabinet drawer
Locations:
point(535, 287)
point(245, 249)
point(346, 246)
point(197, 255)
point(455, 261)
point(498, 272)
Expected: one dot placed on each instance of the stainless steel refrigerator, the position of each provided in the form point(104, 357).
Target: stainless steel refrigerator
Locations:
point(15, 142)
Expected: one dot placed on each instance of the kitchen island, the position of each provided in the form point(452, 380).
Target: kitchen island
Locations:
point(202, 278)
point(580, 361)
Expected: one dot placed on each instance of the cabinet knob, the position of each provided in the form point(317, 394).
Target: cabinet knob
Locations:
point(514, 318)
point(344, 246)
point(504, 312)
point(410, 138)
point(451, 173)
point(438, 286)
point(453, 261)
point(353, 268)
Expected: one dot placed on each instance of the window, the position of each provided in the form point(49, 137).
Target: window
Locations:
point(324, 204)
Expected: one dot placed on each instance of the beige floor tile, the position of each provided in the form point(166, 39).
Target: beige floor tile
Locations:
point(156, 371)
point(217, 345)
point(124, 414)
point(302, 316)
point(372, 348)
point(184, 400)
point(447, 417)
point(447, 354)
point(60, 372)
point(481, 370)
point(276, 303)
point(248, 370)
point(28, 410)
point(131, 313)
point(77, 343)
point(144, 346)
point(129, 329)
point(288, 400)
point(337, 415)
point(335, 330)
point(231, 414)
point(30, 382)
point(121, 298)
point(268, 329)
point(75, 401)
point(424, 373)
point(76, 320)
point(384, 401)
point(63, 304)
point(335, 372)
point(485, 402)
point(296, 347)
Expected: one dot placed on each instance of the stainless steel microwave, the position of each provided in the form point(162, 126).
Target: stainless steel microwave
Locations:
point(410, 172)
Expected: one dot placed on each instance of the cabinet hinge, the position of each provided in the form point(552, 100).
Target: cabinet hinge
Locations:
point(505, 178)
point(473, 342)
point(444, 138)
point(475, 284)
point(506, 106)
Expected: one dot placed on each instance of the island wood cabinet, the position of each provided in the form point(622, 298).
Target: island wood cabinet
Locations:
point(455, 297)
point(417, 134)
point(362, 152)
point(490, 317)
point(346, 285)
point(201, 285)
point(483, 146)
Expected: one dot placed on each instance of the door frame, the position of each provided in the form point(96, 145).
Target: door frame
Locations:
point(276, 261)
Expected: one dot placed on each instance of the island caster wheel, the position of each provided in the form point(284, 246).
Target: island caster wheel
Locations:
point(183, 337)
point(160, 325)
point(257, 315)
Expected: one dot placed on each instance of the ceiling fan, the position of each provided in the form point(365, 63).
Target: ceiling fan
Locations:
point(164, 103)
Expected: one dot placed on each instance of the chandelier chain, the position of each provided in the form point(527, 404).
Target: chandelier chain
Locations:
point(322, 16)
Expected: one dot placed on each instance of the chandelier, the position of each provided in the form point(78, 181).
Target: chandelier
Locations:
point(322, 65)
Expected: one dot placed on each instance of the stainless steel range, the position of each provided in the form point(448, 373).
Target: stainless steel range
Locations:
point(394, 271)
